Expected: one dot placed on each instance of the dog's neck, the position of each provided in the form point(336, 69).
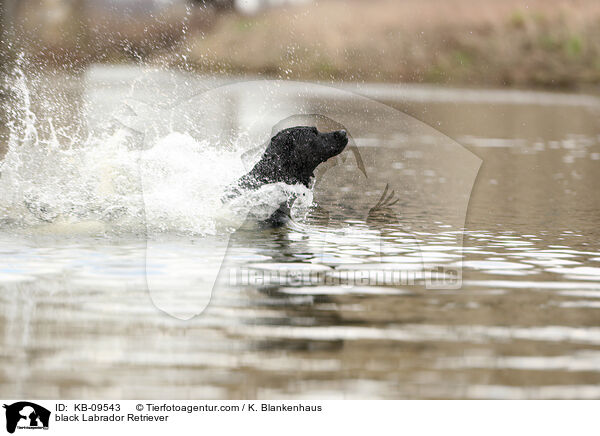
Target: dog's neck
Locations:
point(272, 169)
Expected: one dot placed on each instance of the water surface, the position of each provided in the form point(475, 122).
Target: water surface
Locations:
point(78, 321)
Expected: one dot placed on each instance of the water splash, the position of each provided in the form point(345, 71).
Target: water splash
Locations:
point(111, 180)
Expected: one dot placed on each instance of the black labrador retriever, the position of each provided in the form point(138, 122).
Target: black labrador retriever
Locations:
point(291, 157)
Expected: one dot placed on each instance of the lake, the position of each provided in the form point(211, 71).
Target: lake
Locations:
point(122, 276)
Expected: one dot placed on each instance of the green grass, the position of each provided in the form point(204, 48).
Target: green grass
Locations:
point(517, 19)
point(574, 46)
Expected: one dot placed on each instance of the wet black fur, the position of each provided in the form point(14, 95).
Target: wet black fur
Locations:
point(291, 157)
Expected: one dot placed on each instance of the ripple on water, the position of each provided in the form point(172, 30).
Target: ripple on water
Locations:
point(289, 266)
point(579, 361)
point(581, 304)
point(342, 290)
point(494, 265)
point(578, 273)
point(332, 260)
point(508, 272)
point(397, 266)
point(543, 254)
point(401, 259)
point(433, 247)
point(435, 255)
point(530, 284)
point(581, 293)
point(552, 262)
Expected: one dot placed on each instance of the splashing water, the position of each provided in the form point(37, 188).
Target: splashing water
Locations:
point(109, 181)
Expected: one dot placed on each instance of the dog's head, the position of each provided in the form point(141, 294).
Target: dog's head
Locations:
point(303, 148)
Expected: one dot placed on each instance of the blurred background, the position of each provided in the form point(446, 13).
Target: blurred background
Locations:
point(540, 43)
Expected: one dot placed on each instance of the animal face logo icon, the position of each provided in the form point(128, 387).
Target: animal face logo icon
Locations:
point(27, 415)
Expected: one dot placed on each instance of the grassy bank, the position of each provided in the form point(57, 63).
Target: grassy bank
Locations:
point(554, 43)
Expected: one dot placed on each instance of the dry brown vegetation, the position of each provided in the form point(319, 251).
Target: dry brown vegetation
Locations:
point(74, 33)
point(489, 42)
point(498, 42)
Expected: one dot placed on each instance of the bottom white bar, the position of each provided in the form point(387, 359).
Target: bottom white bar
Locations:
point(151, 417)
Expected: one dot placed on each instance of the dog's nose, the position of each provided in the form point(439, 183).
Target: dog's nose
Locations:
point(341, 133)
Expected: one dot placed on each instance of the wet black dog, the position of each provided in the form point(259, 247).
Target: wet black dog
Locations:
point(291, 157)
